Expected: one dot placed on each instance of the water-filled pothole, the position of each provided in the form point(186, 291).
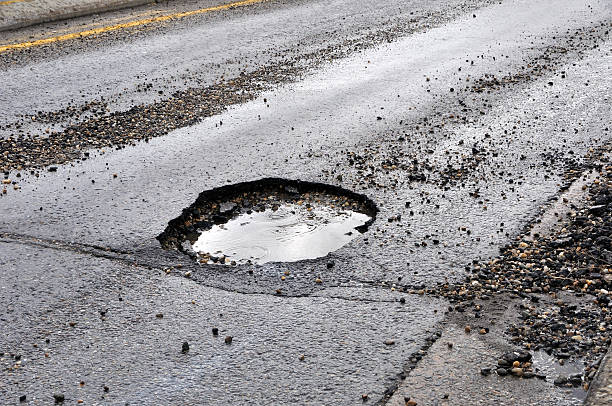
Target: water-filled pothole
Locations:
point(269, 220)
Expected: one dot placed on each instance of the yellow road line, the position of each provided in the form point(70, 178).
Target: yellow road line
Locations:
point(3, 3)
point(130, 24)
point(59, 31)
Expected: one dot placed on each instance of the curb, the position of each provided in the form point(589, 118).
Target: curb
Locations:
point(600, 391)
point(27, 13)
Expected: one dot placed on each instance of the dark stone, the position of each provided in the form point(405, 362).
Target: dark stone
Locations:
point(503, 363)
point(598, 210)
point(22, 398)
point(523, 356)
point(502, 371)
point(575, 379)
point(485, 371)
point(185, 348)
point(215, 331)
point(58, 397)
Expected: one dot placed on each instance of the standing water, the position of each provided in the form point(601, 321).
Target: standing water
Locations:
point(288, 233)
point(269, 220)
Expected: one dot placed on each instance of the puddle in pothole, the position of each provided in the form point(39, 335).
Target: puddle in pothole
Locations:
point(287, 233)
point(269, 220)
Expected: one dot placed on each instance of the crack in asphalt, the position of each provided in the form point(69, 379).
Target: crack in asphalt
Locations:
point(116, 255)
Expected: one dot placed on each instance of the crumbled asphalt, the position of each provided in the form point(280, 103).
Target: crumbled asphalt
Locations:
point(463, 164)
point(570, 268)
point(98, 128)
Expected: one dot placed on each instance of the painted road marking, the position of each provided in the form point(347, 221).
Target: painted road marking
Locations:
point(3, 3)
point(101, 30)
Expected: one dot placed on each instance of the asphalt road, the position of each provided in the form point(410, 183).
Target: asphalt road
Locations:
point(464, 118)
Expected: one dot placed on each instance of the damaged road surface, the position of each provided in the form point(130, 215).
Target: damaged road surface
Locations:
point(307, 202)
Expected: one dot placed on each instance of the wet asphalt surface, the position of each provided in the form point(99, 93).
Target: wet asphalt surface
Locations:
point(460, 126)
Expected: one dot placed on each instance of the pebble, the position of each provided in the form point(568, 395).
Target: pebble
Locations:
point(502, 371)
point(185, 348)
point(228, 339)
point(517, 371)
point(58, 397)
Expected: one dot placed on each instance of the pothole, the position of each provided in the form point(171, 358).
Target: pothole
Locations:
point(269, 220)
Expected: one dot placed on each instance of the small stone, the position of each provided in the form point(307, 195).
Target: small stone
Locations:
point(575, 379)
point(58, 397)
point(215, 331)
point(318, 280)
point(228, 339)
point(364, 397)
point(389, 342)
point(22, 398)
point(502, 371)
point(516, 364)
point(485, 371)
point(106, 388)
point(450, 345)
point(159, 315)
point(528, 375)
point(517, 371)
point(185, 348)
point(468, 329)
point(301, 357)
point(411, 402)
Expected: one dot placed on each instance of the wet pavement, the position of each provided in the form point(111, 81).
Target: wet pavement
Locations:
point(459, 133)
